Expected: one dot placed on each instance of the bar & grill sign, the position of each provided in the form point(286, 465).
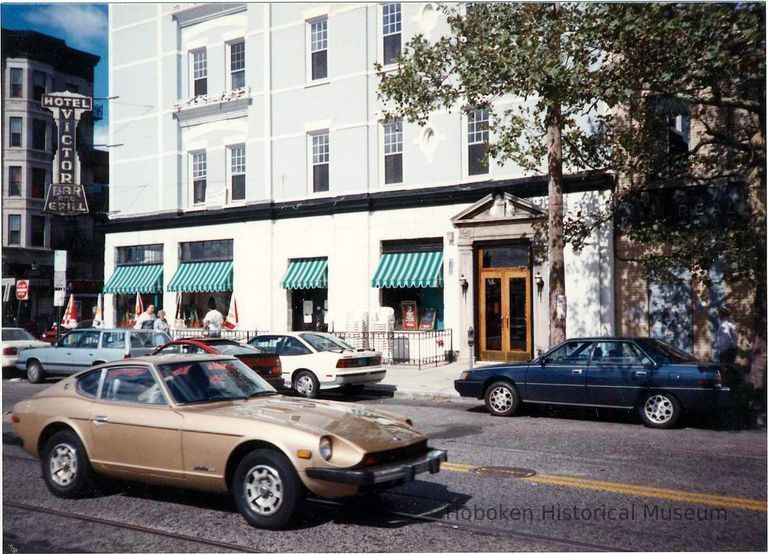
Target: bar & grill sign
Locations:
point(66, 195)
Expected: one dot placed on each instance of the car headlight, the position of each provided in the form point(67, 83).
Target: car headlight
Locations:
point(326, 449)
point(464, 375)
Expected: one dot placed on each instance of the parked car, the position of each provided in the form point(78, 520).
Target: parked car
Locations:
point(313, 361)
point(16, 340)
point(82, 348)
point(266, 365)
point(215, 426)
point(643, 374)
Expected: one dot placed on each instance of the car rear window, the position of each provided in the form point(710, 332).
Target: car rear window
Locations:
point(88, 384)
point(17, 334)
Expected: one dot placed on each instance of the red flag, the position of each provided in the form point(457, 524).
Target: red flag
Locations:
point(232, 318)
point(70, 314)
point(139, 305)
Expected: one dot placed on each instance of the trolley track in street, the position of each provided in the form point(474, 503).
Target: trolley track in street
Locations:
point(339, 506)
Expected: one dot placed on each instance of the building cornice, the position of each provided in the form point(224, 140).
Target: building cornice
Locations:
point(527, 187)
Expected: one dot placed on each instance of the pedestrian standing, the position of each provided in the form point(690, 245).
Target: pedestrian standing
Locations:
point(726, 337)
point(161, 324)
point(213, 320)
point(146, 316)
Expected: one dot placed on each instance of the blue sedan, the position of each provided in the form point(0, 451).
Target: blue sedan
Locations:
point(643, 374)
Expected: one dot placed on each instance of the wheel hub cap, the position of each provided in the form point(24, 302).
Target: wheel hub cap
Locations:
point(659, 408)
point(304, 385)
point(63, 464)
point(501, 399)
point(263, 490)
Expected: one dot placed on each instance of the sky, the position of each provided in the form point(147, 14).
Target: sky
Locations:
point(82, 26)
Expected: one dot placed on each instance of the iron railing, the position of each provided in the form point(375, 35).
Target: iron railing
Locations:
point(413, 348)
point(195, 333)
point(416, 348)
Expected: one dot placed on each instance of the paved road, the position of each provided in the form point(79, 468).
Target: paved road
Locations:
point(594, 481)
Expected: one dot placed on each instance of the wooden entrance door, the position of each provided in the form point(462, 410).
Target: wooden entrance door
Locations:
point(505, 331)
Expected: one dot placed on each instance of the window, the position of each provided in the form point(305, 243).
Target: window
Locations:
point(267, 344)
point(90, 339)
point(37, 231)
point(88, 384)
point(237, 172)
point(199, 177)
point(143, 254)
point(113, 339)
point(70, 340)
point(17, 82)
point(199, 72)
point(14, 180)
point(131, 384)
point(393, 151)
point(14, 230)
point(318, 41)
point(38, 85)
point(292, 346)
point(616, 353)
point(206, 250)
point(71, 87)
point(570, 353)
point(391, 28)
point(237, 64)
point(38, 182)
point(15, 130)
point(321, 149)
point(39, 134)
point(477, 141)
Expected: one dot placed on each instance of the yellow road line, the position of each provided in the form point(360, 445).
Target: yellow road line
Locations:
point(634, 490)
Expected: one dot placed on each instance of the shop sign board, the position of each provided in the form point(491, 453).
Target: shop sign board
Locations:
point(58, 297)
point(410, 315)
point(22, 289)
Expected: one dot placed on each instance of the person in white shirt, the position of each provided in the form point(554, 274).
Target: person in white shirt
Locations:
point(161, 324)
point(146, 315)
point(213, 320)
point(726, 337)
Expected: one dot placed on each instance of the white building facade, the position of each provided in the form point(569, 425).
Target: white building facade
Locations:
point(253, 161)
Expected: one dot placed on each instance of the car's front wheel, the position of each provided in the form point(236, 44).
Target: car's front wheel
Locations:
point(66, 469)
point(660, 410)
point(502, 399)
point(266, 489)
point(35, 372)
point(306, 384)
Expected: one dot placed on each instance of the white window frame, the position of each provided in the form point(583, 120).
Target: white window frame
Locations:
point(230, 72)
point(193, 71)
point(22, 187)
point(466, 142)
point(21, 132)
point(232, 171)
point(10, 83)
point(396, 147)
point(192, 177)
point(7, 231)
point(386, 28)
point(311, 48)
point(312, 159)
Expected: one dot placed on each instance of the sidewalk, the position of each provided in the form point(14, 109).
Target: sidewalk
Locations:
point(428, 383)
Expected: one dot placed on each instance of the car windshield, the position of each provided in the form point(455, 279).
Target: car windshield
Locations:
point(664, 353)
point(234, 349)
point(201, 381)
point(326, 343)
point(17, 334)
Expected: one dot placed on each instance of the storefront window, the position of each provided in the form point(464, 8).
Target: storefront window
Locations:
point(426, 300)
point(195, 306)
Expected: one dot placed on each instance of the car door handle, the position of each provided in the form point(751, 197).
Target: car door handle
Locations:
point(641, 373)
point(100, 419)
point(576, 371)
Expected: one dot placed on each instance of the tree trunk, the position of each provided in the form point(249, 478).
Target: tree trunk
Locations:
point(555, 224)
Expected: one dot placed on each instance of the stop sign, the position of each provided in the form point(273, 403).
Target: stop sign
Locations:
point(22, 289)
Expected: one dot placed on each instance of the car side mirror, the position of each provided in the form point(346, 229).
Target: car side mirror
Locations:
point(543, 362)
point(649, 363)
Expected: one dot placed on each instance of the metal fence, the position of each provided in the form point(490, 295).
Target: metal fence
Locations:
point(196, 333)
point(417, 348)
point(414, 348)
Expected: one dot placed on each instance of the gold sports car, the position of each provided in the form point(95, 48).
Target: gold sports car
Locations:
point(210, 423)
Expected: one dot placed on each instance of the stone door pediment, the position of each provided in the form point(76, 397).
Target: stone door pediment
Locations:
point(497, 208)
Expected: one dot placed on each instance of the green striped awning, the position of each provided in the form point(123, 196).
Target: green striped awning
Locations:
point(202, 277)
point(132, 279)
point(409, 269)
point(307, 273)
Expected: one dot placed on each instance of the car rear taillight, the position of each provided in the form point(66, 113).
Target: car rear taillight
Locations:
point(10, 351)
point(718, 378)
point(343, 363)
point(15, 419)
point(277, 369)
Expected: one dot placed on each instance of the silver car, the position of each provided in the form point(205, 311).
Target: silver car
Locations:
point(82, 348)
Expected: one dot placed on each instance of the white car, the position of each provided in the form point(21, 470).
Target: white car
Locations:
point(312, 361)
point(14, 341)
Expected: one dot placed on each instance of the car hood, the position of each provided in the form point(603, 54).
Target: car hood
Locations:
point(370, 430)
